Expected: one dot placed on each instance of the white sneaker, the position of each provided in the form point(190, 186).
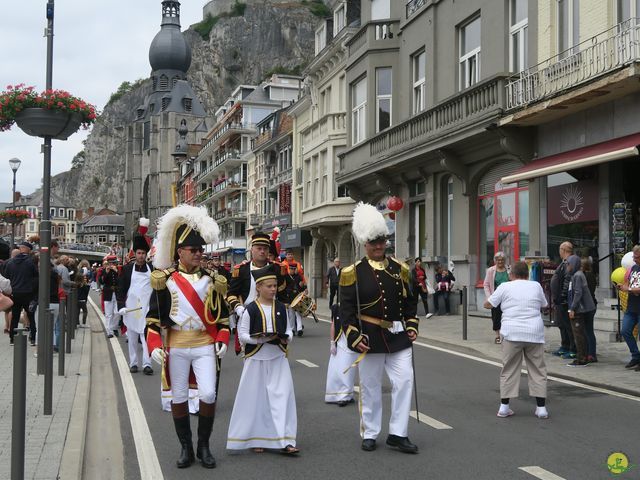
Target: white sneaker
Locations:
point(504, 411)
point(541, 412)
point(429, 315)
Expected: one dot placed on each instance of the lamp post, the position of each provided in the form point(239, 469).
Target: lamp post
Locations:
point(14, 163)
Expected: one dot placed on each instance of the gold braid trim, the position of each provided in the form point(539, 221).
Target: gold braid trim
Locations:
point(213, 303)
point(348, 275)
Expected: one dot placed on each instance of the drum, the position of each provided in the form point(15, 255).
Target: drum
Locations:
point(303, 304)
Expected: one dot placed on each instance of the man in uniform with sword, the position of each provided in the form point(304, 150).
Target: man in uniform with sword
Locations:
point(378, 315)
point(134, 293)
point(188, 305)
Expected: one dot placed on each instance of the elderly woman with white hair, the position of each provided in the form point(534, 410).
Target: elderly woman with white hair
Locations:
point(496, 275)
point(522, 331)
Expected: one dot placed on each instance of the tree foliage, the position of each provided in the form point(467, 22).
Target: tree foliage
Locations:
point(124, 88)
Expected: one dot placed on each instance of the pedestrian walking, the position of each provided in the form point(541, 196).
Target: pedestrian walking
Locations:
point(264, 412)
point(559, 295)
point(495, 276)
point(340, 378)
point(109, 280)
point(522, 331)
point(421, 285)
point(632, 315)
point(587, 269)
point(133, 295)
point(581, 306)
point(83, 295)
point(188, 303)
point(333, 280)
point(23, 275)
point(378, 313)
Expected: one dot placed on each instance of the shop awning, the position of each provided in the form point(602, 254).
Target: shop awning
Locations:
point(608, 151)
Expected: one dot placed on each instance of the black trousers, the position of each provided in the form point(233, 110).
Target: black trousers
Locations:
point(436, 303)
point(333, 292)
point(21, 302)
point(82, 306)
point(566, 334)
point(425, 296)
point(496, 318)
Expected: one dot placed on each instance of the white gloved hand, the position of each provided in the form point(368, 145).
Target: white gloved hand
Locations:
point(333, 348)
point(221, 350)
point(239, 311)
point(122, 311)
point(158, 355)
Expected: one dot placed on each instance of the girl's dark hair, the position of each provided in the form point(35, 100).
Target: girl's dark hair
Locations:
point(520, 270)
point(585, 264)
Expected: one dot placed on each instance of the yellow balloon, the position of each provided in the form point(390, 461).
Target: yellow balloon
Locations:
point(617, 276)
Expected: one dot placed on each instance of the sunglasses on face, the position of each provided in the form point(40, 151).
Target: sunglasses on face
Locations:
point(194, 250)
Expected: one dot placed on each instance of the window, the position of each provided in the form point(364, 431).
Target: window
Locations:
point(518, 36)
point(383, 98)
point(358, 111)
point(307, 189)
point(341, 91)
point(61, 212)
point(419, 86)
point(339, 18)
point(470, 53)
point(449, 216)
point(628, 9)
point(343, 191)
point(321, 38)
point(380, 9)
point(146, 135)
point(568, 27)
point(325, 180)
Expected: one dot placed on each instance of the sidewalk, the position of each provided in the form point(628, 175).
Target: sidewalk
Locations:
point(446, 332)
point(54, 444)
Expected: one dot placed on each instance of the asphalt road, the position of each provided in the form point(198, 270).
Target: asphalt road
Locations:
point(574, 443)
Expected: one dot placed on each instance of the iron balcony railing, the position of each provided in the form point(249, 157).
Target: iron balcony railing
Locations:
point(413, 6)
point(612, 49)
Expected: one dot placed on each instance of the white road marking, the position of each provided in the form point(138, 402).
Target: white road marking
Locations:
point(432, 422)
point(550, 377)
point(145, 450)
point(540, 473)
point(307, 363)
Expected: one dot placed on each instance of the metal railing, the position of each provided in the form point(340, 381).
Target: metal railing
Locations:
point(601, 54)
point(413, 6)
point(85, 247)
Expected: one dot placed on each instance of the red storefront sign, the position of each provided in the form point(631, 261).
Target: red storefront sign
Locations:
point(572, 203)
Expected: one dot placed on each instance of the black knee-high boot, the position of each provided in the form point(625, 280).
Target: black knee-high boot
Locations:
point(205, 425)
point(183, 429)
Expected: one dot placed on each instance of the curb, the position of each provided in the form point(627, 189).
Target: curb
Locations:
point(465, 349)
point(72, 461)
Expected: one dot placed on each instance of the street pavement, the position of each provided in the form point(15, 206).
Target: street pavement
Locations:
point(459, 436)
point(53, 443)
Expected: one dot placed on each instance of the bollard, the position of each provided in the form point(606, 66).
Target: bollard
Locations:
point(41, 343)
point(464, 312)
point(48, 367)
point(73, 309)
point(19, 408)
point(62, 334)
point(69, 324)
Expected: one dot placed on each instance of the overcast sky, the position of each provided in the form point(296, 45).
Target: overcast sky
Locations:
point(97, 45)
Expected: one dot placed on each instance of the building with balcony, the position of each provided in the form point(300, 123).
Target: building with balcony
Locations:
point(579, 100)
point(424, 95)
point(270, 174)
point(62, 215)
point(220, 169)
point(321, 207)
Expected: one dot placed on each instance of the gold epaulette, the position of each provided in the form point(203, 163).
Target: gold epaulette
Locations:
point(159, 278)
point(404, 272)
point(220, 284)
point(348, 275)
point(235, 273)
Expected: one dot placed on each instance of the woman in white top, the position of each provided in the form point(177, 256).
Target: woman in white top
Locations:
point(522, 331)
point(264, 413)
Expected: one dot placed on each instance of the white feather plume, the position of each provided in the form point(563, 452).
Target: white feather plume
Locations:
point(195, 217)
point(368, 223)
point(143, 222)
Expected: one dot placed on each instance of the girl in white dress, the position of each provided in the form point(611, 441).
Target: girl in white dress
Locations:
point(264, 411)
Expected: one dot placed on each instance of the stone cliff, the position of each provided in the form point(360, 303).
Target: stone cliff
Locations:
point(266, 36)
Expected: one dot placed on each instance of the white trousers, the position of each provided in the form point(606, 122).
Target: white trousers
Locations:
point(400, 372)
point(203, 362)
point(194, 400)
point(339, 384)
point(133, 349)
point(111, 316)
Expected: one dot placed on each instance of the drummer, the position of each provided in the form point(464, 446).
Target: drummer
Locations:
point(295, 286)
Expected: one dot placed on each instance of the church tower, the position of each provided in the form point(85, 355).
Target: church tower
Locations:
point(152, 137)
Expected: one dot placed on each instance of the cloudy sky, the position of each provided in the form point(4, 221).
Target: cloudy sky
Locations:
point(97, 45)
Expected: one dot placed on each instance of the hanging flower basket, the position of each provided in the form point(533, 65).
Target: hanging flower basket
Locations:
point(13, 216)
point(52, 113)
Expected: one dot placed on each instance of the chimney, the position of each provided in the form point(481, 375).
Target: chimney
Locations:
point(78, 215)
point(17, 197)
point(90, 211)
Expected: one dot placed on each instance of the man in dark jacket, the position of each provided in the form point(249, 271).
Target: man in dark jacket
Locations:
point(333, 280)
point(109, 278)
point(559, 291)
point(23, 274)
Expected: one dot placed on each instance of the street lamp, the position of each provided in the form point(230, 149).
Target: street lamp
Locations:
point(14, 163)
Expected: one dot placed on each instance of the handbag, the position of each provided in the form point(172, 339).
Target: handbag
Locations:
point(430, 289)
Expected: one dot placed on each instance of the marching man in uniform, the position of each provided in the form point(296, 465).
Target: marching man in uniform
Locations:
point(134, 293)
point(379, 318)
point(188, 304)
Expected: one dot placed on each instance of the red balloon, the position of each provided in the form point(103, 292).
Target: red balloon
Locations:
point(395, 203)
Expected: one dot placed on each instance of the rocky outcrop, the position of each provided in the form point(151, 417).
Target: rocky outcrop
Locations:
point(269, 36)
